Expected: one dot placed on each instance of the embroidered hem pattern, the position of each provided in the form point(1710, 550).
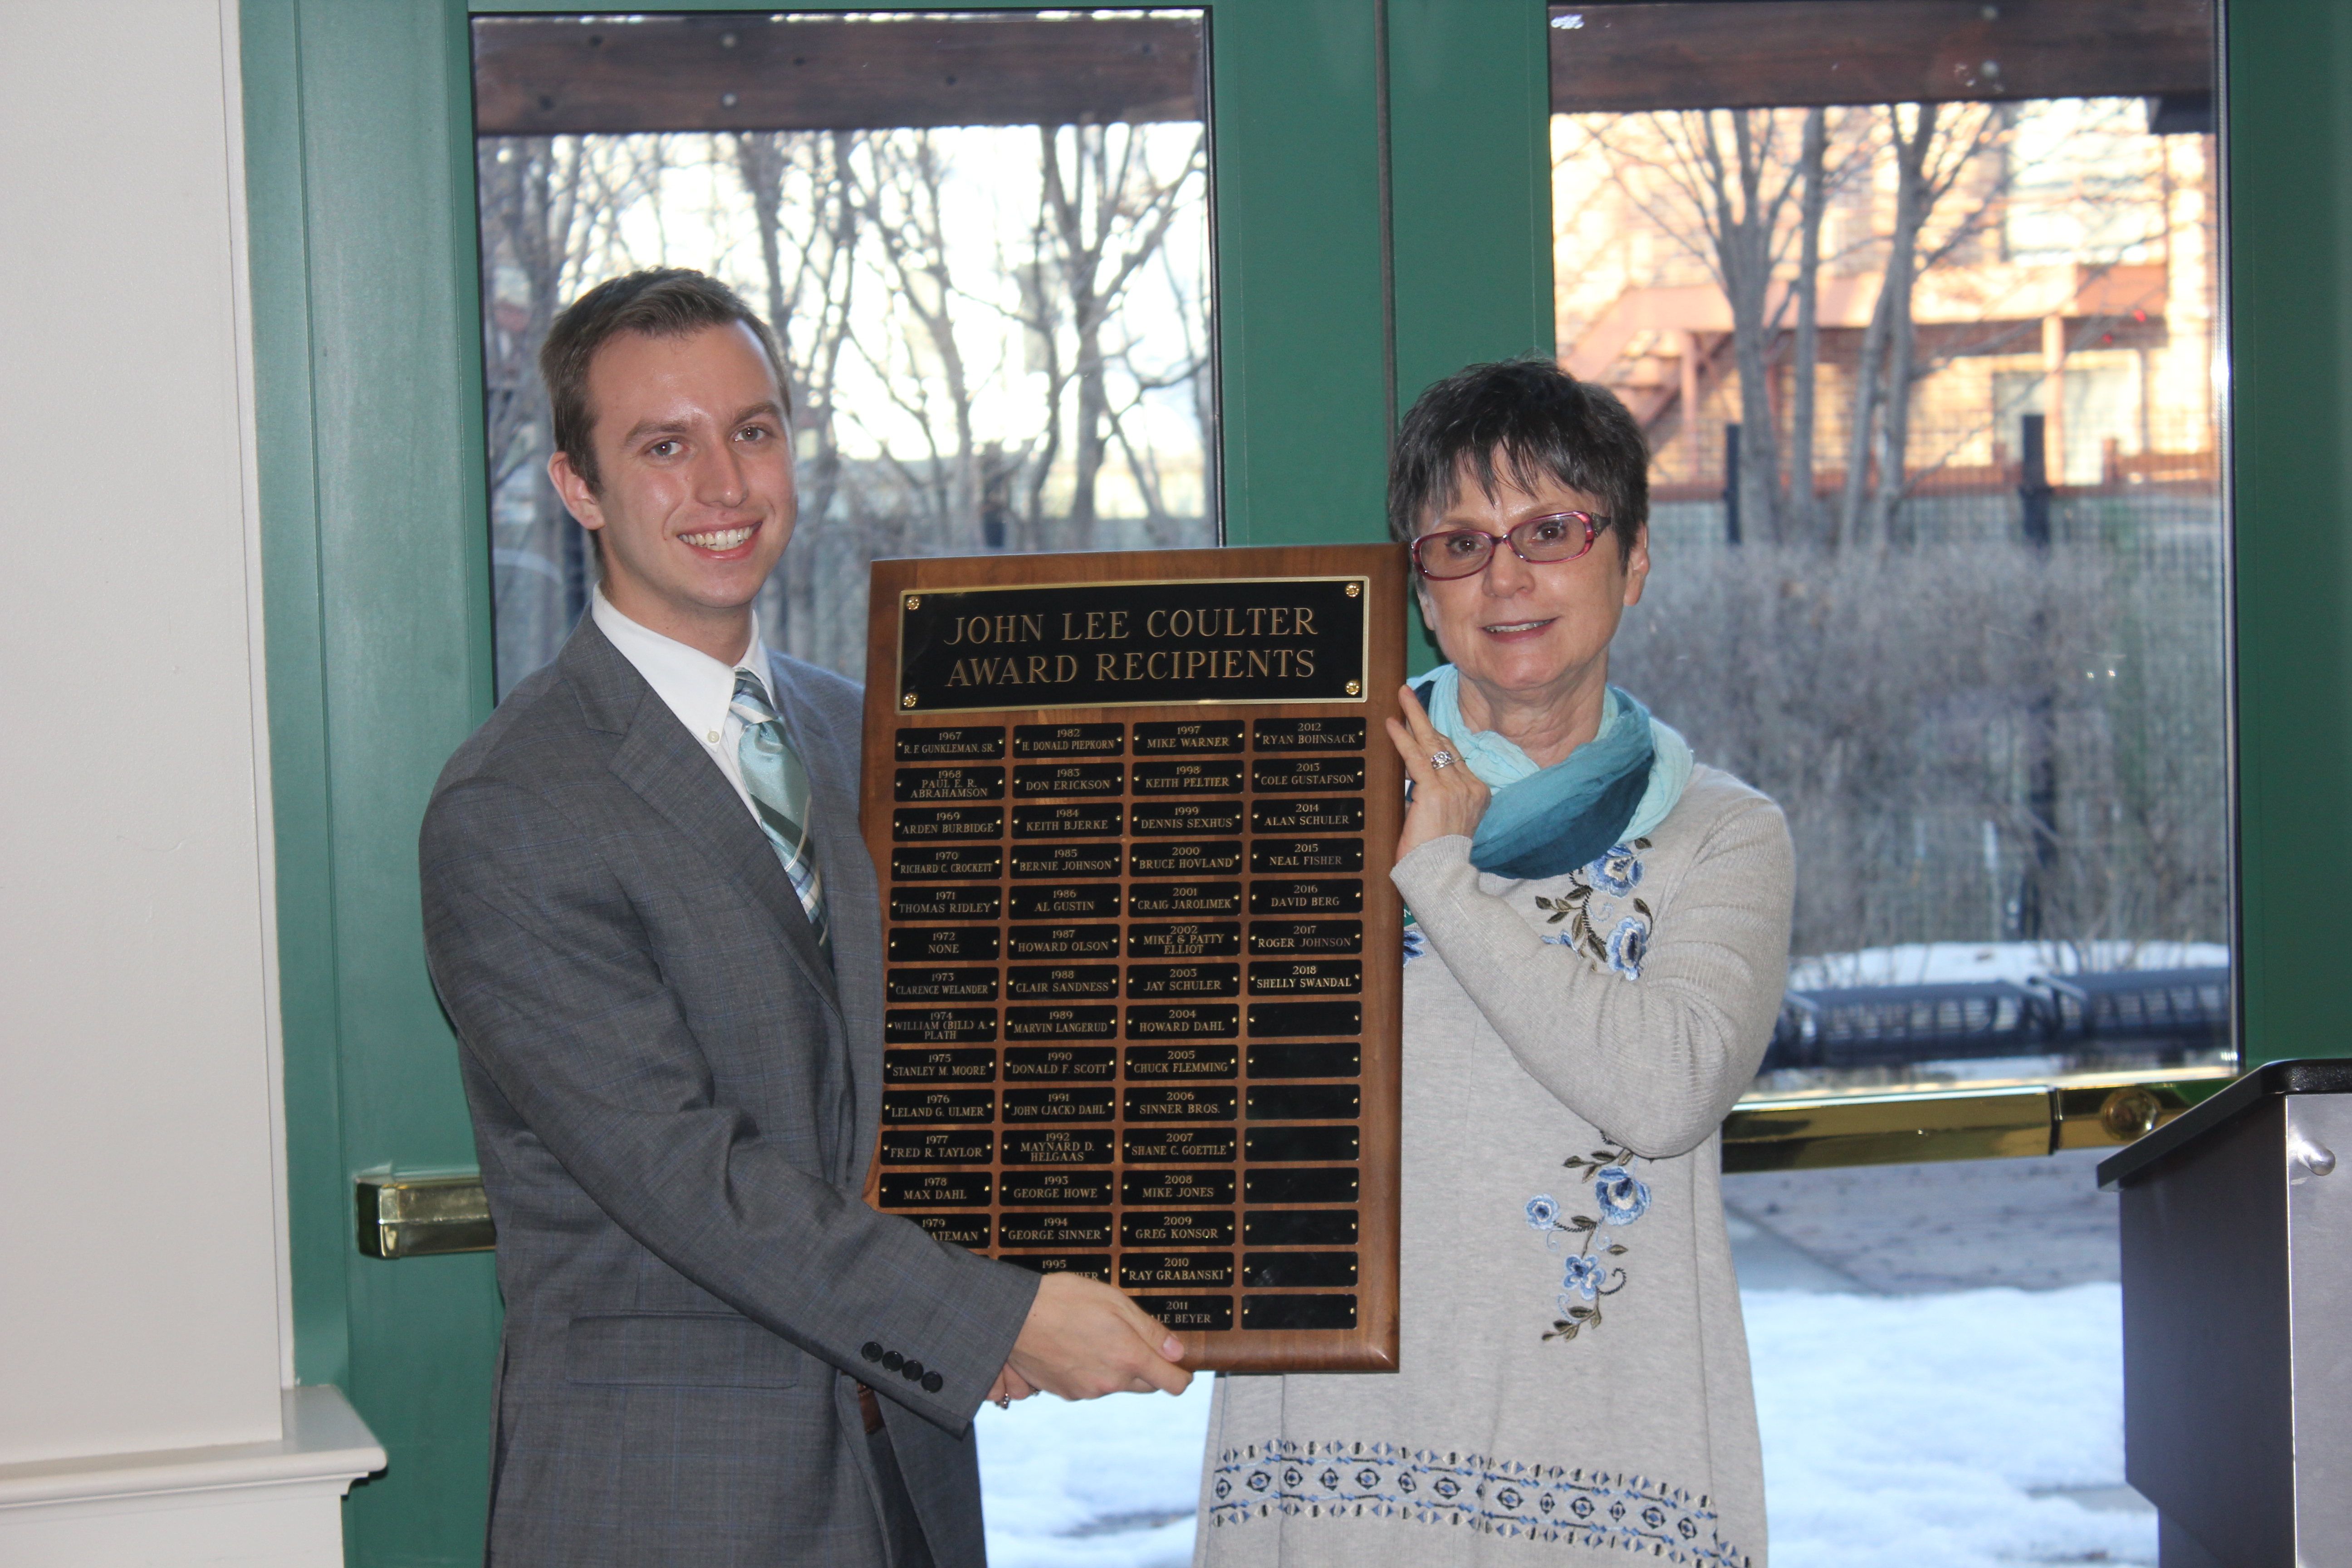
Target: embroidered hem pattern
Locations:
point(1543, 1502)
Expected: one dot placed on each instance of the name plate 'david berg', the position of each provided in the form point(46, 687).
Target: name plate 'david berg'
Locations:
point(1134, 816)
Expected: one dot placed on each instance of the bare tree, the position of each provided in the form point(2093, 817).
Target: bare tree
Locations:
point(806, 201)
point(1926, 167)
point(1103, 214)
point(1738, 211)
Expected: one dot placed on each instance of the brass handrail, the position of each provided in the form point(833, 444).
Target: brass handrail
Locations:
point(422, 1215)
point(1976, 1122)
point(427, 1213)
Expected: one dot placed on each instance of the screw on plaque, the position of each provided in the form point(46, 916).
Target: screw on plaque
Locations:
point(914, 601)
point(908, 701)
point(1354, 589)
point(1355, 687)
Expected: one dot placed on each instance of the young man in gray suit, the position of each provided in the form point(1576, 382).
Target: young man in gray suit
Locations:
point(650, 915)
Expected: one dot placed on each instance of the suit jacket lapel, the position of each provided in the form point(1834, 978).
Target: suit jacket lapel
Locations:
point(671, 773)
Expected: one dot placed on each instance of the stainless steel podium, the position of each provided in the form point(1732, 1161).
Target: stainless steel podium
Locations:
point(2237, 1262)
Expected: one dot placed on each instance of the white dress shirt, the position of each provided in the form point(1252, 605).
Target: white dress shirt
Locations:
point(699, 689)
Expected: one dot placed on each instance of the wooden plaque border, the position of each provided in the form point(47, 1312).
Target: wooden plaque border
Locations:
point(1371, 1344)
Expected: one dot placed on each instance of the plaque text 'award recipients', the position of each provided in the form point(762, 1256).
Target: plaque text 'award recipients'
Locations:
point(1133, 815)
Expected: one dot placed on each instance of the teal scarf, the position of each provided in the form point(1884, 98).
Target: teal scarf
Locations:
point(1546, 822)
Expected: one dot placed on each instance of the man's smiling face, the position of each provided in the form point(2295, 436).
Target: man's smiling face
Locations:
point(697, 500)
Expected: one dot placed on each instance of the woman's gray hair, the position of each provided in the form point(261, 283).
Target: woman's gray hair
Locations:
point(1518, 421)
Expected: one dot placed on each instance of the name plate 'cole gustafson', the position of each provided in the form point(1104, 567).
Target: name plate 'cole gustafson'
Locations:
point(1134, 814)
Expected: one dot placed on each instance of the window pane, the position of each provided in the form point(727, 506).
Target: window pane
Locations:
point(983, 239)
point(1937, 519)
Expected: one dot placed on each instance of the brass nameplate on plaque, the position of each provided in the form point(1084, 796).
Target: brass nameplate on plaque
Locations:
point(1134, 816)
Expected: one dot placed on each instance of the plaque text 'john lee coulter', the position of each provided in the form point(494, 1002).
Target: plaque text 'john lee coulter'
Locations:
point(1107, 645)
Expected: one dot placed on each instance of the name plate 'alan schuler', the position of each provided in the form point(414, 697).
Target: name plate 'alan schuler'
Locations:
point(1133, 815)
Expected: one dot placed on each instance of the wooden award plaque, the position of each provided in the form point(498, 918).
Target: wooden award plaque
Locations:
point(1133, 815)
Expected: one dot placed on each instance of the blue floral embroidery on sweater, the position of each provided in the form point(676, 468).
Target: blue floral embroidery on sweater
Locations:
point(1615, 875)
point(1429, 1485)
point(1622, 1199)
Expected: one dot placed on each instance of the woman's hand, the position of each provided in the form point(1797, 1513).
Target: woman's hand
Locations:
point(1446, 800)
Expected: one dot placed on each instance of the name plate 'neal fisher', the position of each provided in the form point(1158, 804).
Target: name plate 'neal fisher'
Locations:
point(1134, 814)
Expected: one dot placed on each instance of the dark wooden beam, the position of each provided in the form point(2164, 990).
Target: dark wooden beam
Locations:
point(537, 76)
point(1740, 54)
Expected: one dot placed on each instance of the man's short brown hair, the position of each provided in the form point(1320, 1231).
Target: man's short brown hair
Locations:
point(657, 302)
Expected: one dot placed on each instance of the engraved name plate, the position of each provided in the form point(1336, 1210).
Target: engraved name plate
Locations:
point(1154, 1228)
point(1068, 739)
point(1170, 899)
point(976, 742)
point(1062, 944)
point(941, 985)
point(1280, 816)
point(960, 1064)
point(1188, 738)
point(976, 1232)
point(1171, 1142)
point(1267, 774)
point(1029, 1187)
point(1054, 1145)
point(1161, 818)
point(1149, 980)
point(950, 784)
point(951, 903)
point(1076, 1064)
point(1306, 977)
point(1061, 983)
point(922, 1146)
point(1185, 939)
point(1046, 903)
point(1063, 861)
point(1093, 819)
point(946, 1189)
point(1188, 857)
point(943, 944)
point(914, 824)
point(1164, 779)
point(1303, 937)
point(1061, 1023)
point(1151, 1064)
point(1061, 1230)
point(1199, 1314)
point(1176, 1271)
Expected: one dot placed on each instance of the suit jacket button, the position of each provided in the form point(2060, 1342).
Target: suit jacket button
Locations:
point(933, 1383)
point(870, 1351)
point(892, 1360)
point(912, 1372)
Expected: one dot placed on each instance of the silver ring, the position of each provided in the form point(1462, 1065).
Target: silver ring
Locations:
point(1442, 758)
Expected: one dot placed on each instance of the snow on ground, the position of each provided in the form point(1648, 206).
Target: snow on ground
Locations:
point(1930, 1421)
point(1938, 962)
point(1927, 1423)
point(1059, 1480)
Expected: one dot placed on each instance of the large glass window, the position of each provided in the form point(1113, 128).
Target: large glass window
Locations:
point(984, 240)
point(1919, 306)
point(1931, 389)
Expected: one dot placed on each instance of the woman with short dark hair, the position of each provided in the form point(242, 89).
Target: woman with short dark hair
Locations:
point(1594, 953)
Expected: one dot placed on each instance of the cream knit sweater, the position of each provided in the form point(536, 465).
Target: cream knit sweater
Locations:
point(1573, 1379)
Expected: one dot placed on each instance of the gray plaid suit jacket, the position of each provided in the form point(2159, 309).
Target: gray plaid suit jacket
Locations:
point(675, 1101)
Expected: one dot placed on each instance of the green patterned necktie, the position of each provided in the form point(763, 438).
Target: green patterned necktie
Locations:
point(780, 798)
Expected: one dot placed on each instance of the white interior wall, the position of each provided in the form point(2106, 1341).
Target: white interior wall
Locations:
point(141, 1297)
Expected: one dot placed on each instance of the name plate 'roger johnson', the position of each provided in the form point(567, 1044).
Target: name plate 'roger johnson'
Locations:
point(1135, 814)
